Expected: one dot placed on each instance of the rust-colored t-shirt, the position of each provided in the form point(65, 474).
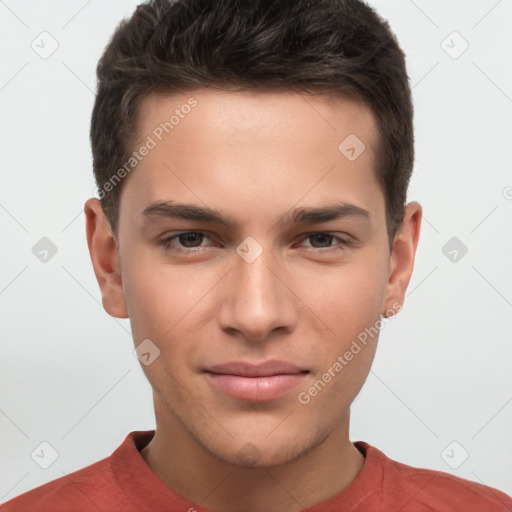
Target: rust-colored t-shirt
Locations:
point(124, 482)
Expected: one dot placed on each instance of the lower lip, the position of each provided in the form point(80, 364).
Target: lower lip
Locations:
point(256, 389)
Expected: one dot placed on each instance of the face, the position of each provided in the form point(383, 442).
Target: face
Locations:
point(251, 295)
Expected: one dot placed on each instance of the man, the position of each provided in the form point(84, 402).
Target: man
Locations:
point(252, 160)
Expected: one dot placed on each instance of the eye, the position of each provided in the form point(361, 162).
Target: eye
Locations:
point(321, 241)
point(188, 241)
point(191, 241)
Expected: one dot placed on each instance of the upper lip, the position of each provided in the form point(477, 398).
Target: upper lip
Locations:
point(245, 369)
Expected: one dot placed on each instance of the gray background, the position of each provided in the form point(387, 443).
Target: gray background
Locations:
point(441, 384)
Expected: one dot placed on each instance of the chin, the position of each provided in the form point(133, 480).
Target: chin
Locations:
point(263, 451)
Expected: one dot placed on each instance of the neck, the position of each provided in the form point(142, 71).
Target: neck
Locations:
point(204, 479)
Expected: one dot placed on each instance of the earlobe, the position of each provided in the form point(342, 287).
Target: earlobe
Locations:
point(403, 253)
point(105, 259)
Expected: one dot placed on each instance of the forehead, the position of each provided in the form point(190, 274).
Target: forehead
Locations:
point(252, 150)
point(283, 113)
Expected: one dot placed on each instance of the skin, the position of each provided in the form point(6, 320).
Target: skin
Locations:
point(253, 156)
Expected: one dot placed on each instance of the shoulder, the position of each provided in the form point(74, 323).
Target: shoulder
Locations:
point(421, 489)
point(86, 490)
point(78, 490)
point(445, 491)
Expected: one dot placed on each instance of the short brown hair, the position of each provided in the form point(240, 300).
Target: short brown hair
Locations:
point(338, 46)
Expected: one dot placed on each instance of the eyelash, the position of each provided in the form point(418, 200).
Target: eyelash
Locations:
point(166, 242)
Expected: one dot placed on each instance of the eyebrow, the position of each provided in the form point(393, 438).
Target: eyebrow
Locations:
point(311, 215)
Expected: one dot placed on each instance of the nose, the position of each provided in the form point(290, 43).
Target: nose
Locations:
point(257, 299)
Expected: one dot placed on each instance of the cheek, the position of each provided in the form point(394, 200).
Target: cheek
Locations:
point(159, 301)
point(348, 298)
point(162, 298)
point(153, 298)
point(346, 303)
point(350, 304)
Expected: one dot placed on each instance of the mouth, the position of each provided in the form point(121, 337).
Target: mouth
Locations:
point(255, 382)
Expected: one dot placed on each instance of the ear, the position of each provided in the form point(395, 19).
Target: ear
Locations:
point(403, 252)
point(104, 253)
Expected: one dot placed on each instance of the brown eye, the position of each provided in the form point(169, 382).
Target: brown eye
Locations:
point(189, 241)
point(323, 241)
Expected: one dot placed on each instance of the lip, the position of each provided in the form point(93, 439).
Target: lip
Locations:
point(256, 382)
